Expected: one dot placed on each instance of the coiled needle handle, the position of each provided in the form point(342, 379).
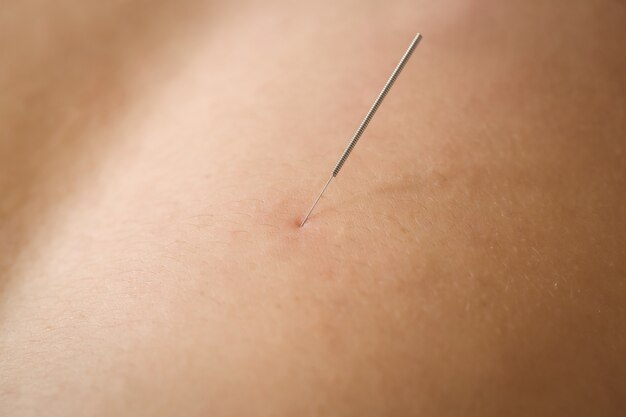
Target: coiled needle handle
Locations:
point(368, 117)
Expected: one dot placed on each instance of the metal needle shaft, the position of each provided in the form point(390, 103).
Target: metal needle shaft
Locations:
point(359, 132)
point(316, 200)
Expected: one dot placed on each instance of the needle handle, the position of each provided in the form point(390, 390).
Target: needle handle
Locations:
point(379, 100)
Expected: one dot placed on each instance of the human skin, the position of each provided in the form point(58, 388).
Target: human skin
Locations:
point(156, 159)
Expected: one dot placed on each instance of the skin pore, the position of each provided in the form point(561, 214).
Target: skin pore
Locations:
point(156, 159)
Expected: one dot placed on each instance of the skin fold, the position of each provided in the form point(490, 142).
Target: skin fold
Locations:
point(157, 157)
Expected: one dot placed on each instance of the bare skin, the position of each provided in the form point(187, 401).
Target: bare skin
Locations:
point(155, 161)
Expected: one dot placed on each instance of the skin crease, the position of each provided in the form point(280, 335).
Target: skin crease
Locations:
point(155, 160)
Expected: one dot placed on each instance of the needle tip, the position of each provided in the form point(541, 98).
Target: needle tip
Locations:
point(316, 200)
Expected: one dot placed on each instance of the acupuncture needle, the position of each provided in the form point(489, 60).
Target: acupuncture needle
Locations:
point(366, 120)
